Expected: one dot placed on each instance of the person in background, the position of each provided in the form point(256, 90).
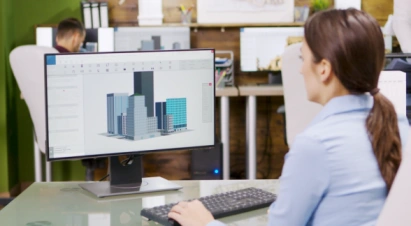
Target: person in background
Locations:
point(340, 169)
point(70, 35)
point(69, 39)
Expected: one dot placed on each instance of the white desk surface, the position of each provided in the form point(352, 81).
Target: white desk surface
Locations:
point(66, 204)
point(264, 90)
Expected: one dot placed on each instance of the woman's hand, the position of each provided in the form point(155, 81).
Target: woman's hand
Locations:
point(191, 214)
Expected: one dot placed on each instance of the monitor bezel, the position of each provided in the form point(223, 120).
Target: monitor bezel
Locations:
point(130, 152)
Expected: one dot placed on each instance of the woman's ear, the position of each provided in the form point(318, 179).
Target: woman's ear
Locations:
point(324, 70)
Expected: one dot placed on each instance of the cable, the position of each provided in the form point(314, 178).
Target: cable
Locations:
point(128, 160)
point(104, 177)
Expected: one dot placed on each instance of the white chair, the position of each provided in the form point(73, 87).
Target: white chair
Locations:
point(299, 112)
point(27, 63)
point(396, 210)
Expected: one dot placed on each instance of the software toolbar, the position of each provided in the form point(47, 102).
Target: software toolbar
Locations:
point(127, 67)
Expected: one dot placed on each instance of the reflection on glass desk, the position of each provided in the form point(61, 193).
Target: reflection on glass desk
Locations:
point(66, 204)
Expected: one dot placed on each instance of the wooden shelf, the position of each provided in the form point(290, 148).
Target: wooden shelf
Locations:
point(293, 24)
point(254, 90)
point(226, 91)
point(196, 25)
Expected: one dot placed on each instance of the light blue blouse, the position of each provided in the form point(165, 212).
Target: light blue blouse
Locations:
point(330, 175)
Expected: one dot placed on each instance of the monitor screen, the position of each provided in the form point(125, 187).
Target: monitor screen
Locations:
point(97, 39)
point(151, 38)
point(117, 103)
point(261, 48)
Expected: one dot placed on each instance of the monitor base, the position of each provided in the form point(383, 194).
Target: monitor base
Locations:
point(149, 184)
point(274, 78)
point(126, 177)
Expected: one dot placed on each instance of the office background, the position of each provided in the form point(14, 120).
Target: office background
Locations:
point(18, 19)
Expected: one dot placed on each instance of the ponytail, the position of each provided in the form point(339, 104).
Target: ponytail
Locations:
point(382, 126)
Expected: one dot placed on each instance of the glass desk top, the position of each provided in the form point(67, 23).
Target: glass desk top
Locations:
point(66, 204)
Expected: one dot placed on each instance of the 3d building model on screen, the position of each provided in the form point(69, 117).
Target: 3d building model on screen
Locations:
point(155, 44)
point(138, 116)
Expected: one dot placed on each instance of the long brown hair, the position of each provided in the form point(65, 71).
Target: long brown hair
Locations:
point(352, 41)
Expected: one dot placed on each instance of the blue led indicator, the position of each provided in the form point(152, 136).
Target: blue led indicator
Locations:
point(216, 171)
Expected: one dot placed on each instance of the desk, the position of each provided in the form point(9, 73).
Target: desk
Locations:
point(224, 94)
point(65, 203)
point(251, 92)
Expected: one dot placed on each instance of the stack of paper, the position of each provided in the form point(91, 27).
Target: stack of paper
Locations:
point(150, 12)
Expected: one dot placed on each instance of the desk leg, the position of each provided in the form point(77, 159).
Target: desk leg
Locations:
point(37, 161)
point(48, 170)
point(251, 137)
point(225, 135)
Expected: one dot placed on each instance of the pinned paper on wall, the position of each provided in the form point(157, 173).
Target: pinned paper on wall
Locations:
point(245, 5)
point(245, 11)
point(345, 4)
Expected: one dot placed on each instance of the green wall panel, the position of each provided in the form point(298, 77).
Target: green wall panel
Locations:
point(4, 177)
point(17, 27)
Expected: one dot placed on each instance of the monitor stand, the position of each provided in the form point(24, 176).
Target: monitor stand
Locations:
point(127, 179)
point(274, 79)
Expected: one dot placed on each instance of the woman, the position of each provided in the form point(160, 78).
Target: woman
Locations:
point(340, 169)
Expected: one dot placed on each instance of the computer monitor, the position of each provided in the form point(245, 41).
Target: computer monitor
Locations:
point(401, 62)
point(128, 103)
point(151, 38)
point(261, 48)
point(102, 37)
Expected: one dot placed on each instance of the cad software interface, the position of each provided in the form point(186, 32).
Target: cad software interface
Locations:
point(103, 104)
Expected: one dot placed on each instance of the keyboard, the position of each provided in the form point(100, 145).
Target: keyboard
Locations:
point(220, 205)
